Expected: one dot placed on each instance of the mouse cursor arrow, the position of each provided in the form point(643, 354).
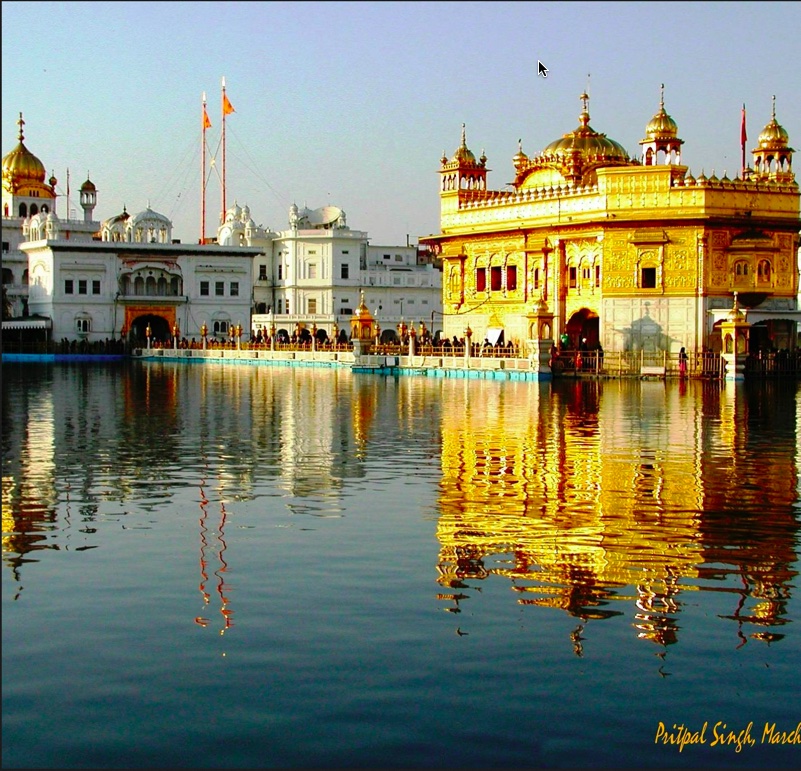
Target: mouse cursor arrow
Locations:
point(542, 69)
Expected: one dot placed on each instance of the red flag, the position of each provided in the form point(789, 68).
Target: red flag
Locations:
point(228, 108)
point(743, 135)
point(206, 121)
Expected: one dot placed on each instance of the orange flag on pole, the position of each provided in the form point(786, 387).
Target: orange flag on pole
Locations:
point(206, 121)
point(228, 108)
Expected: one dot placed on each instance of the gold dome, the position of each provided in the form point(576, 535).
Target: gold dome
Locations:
point(586, 141)
point(661, 126)
point(462, 154)
point(520, 157)
point(773, 135)
point(21, 165)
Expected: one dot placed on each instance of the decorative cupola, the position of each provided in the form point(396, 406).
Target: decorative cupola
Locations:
point(520, 159)
point(463, 171)
point(661, 136)
point(25, 191)
point(773, 157)
point(88, 198)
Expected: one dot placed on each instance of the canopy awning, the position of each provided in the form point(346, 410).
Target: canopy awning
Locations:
point(28, 324)
point(754, 315)
point(494, 334)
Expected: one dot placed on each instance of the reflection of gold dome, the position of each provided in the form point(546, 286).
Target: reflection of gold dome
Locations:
point(661, 126)
point(586, 141)
point(21, 166)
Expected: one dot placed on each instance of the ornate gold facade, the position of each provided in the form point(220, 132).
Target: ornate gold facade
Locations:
point(628, 253)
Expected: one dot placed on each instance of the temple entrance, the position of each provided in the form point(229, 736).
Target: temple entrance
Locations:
point(582, 331)
point(160, 330)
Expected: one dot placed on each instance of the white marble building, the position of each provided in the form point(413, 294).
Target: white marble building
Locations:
point(313, 273)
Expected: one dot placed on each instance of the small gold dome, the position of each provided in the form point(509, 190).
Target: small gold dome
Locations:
point(88, 186)
point(661, 126)
point(462, 154)
point(773, 136)
point(520, 157)
point(21, 165)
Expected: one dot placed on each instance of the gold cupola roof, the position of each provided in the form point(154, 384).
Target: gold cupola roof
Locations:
point(773, 136)
point(661, 126)
point(463, 154)
point(21, 166)
point(585, 141)
point(520, 157)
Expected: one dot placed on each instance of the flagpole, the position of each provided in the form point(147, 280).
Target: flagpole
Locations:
point(222, 215)
point(204, 122)
point(743, 140)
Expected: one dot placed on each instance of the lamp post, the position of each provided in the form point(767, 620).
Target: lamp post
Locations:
point(314, 336)
point(204, 331)
point(175, 332)
point(335, 334)
point(238, 337)
point(412, 340)
point(148, 334)
point(468, 334)
point(272, 336)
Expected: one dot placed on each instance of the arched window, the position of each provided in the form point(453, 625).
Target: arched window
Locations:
point(741, 268)
point(34, 209)
point(139, 285)
point(23, 210)
point(150, 286)
point(763, 270)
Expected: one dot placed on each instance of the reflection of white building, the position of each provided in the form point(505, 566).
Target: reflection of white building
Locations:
point(313, 272)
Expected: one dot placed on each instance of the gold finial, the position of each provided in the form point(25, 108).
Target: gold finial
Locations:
point(774, 108)
point(520, 145)
point(21, 123)
point(464, 136)
point(662, 96)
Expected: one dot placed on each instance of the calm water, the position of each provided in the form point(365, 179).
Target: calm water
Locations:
point(245, 566)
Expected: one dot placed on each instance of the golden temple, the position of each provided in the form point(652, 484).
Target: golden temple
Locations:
point(626, 253)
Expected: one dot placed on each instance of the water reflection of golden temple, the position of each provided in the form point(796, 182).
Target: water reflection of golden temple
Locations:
point(552, 498)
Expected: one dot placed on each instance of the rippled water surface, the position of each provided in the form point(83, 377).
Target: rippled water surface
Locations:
point(252, 566)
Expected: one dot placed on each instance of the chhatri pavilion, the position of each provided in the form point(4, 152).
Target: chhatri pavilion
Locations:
point(594, 247)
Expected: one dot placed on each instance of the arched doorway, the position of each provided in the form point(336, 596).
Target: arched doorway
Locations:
point(159, 330)
point(583, 328)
